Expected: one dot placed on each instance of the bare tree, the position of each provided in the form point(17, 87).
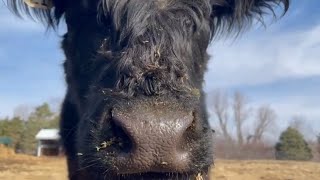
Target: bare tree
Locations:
point(318, 141)
point(220, 108)
point(22, 111)
point(300, 123)
point(241, 113)
point(265, 118)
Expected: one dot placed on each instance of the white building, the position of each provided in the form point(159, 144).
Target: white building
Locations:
point(48, 142)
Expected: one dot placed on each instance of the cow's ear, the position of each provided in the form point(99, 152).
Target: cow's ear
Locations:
point(48, 12)
point(39, 4)
point(235, 15)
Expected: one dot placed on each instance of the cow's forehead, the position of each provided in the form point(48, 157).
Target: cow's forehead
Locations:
point(83, 4)
point(89, 4)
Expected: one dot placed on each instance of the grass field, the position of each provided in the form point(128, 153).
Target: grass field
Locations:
point(20, 167)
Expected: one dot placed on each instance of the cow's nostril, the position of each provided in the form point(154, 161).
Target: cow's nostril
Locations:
point(157, 144)
point(187, 136)
point(123, 140)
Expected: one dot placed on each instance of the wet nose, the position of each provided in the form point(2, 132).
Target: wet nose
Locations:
point(158, 142)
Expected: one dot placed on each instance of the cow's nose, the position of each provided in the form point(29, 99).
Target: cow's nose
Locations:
point(158, 142)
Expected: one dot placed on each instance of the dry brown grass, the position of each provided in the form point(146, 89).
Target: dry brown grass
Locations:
point(21, 167)
point(266, 170)
point(5, 152)
point(32, 168)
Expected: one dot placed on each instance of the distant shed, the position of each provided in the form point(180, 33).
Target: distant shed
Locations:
point(48, 142)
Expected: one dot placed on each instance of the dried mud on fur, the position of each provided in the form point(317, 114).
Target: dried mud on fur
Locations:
point(106, 144)
point(199, 177)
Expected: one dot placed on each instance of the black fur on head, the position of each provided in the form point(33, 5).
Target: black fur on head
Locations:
point(153, 42)
point(233, 16)
point(145, 55)
point(225, 14)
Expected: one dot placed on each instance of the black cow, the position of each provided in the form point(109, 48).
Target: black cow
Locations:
point(134, 107)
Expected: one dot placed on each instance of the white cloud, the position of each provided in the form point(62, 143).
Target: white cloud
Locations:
point(266, 58)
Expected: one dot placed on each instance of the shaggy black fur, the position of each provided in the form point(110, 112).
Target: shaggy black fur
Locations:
point(138, 53)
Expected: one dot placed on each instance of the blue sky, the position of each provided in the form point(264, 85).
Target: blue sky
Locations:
point(279, 65)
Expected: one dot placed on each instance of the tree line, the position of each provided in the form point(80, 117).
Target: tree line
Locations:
point(22, 129)
point(241, 131)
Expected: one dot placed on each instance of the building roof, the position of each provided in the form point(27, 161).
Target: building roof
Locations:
point(48, 134)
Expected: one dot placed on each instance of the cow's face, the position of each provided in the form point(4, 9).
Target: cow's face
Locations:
point(144, 114)
point(135, 71)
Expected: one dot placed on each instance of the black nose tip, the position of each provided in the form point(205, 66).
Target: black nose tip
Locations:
point(158, 142)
